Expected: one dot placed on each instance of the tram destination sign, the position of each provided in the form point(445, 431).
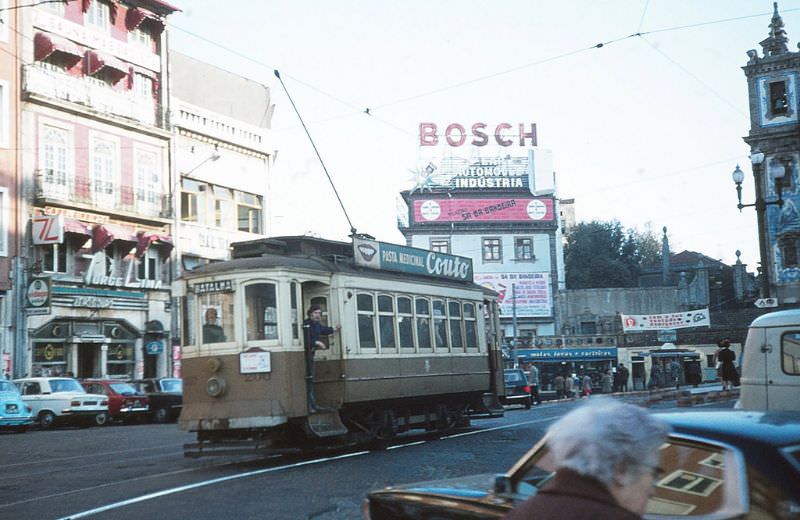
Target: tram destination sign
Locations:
point(216, 286)
point(392, 257)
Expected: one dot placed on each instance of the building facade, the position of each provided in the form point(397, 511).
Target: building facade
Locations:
point(95, 258)
point(10, 223)
point(773, 80)
point(484, 208)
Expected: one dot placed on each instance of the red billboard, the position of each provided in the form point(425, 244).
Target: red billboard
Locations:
point(434, 211)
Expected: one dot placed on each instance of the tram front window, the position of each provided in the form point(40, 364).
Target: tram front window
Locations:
point(217, 312)
point(262, 311)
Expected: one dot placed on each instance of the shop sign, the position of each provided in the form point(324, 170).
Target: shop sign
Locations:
point(154, 348)
point(47, 229)
point(217, 286)
point(523, 294)
point(48, 353)
point(254, 362)
point(95, 275)
point(455, 134)
point(120, 353)
point(667, 335)
point(567, 354)
point(392, 257)
point(38, 296)
point(93, 302)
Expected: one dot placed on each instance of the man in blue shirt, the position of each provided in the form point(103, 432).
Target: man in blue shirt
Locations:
point(313, 330)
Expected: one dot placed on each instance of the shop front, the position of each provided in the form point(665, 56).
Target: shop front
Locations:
point(568, 362)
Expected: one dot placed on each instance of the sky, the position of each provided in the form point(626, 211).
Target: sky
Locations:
point(645, 129)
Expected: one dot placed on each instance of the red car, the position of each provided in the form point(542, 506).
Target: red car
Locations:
point(125, 403)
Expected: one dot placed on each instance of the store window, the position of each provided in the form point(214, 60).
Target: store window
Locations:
point(492, 250)
point(217, 313)
point(261, 311)
point(54, 258)
point(120, 360)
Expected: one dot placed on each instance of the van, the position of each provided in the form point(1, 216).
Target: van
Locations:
point(771, 363)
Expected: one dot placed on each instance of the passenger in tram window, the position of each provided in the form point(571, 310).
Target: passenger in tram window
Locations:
point(212, 332)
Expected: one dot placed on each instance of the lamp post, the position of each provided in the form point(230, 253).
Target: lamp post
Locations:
point(760, 204)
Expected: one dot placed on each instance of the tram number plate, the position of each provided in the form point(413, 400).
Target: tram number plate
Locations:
point(254, 362)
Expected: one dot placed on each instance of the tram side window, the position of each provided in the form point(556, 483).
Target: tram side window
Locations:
point(261, 306)
point(405, 319)
point(470, 325)
point(217, 312)
point(454, 315)
point(365, 304)
point(188, 333)
point(423, 323)
point(439, 324)
point(386, 321)
point(295, 311)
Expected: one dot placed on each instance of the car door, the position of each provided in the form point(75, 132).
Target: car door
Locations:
point(32, 395)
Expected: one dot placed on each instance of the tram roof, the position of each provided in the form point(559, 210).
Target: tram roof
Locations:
point(311, 254)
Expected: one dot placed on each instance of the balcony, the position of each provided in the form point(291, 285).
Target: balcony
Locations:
point(90, 93)
point(54, 188)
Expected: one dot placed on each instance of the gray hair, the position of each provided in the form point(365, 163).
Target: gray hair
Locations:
point(609, 440)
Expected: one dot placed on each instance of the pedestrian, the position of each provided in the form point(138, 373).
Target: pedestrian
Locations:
point(606, 471)
point(727, 370)
point(656, 375)
point(623, 373)
point(606, 382)
point(693, 373)
point(675, 374)
point(586, 385)
point(569, 385)
point(533, 382)
point(558, 384)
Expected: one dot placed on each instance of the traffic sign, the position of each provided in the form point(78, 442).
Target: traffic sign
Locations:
point(154, 347)
point(764, 303)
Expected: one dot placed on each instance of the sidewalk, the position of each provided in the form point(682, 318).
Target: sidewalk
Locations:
point(685, 396)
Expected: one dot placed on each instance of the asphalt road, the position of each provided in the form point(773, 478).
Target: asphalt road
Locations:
point(139, 472)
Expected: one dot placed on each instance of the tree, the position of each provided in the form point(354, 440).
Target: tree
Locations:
point(604, 254)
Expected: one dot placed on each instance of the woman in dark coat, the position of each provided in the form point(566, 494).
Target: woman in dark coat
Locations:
point(727, 369)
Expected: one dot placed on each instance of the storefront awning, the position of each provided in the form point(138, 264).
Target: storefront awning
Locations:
point(135, 16)
point(44, 45)
point(96, 61)
point(146, 240)
point(104, 234)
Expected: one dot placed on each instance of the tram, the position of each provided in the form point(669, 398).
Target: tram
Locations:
point(415, 349)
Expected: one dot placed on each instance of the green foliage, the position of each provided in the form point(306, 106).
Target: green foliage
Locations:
point(604, 254)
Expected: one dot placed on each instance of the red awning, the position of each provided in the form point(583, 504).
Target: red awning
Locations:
point(104, 234)
point(72, 225)
point(146, 240)
point(45, 45)
point(135, 16)
point(95, 62)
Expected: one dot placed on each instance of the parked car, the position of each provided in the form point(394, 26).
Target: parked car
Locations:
point(61, 400)
point(717, 464)
point(166, 397)
point(15, 414)
point(125, 403)
point(517, 389)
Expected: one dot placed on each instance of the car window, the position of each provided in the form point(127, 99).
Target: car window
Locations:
point(65, 385)
point(123, 388)
point(5, 386)
point(172, 385)
point(697, 479)
point(31, 388)
point(97, 388)
point(515, 377)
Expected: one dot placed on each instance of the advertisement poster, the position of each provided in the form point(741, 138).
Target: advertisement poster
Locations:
point(675, 320)
point(433, 211)
point(532, 292)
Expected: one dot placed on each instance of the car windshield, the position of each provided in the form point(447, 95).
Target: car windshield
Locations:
point(172, 385)
point(123, 388)
point(514, 377)
point(66, 385)
point(6, 386)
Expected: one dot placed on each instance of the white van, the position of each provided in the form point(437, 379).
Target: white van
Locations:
point(771, 363)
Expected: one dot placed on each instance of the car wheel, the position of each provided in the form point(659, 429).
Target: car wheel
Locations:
point(47, 420)
point(101, 419)
point(160, 415)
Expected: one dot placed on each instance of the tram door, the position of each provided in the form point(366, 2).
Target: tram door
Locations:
point(327, 364)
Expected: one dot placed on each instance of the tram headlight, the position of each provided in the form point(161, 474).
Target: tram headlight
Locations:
point(214, 364)
point(215, 386)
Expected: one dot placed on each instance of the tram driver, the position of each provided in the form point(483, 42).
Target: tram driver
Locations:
point(212, 332)
point(313, 330)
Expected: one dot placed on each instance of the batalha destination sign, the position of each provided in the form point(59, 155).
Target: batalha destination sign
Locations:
point(391, 257)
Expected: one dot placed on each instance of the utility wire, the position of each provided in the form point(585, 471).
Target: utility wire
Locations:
point(352, 228)
point(11, 8)
point(644, 11)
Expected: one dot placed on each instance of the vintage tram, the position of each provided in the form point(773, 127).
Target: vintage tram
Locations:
point(416, 349)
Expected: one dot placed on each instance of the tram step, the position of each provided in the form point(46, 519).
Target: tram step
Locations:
point(324, 423)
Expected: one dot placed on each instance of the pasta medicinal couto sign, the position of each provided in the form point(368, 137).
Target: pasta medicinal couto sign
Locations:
point(391, 257)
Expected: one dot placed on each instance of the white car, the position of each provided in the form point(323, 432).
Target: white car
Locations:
point(61, 400)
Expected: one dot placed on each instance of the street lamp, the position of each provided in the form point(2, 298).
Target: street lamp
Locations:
point(760, 204)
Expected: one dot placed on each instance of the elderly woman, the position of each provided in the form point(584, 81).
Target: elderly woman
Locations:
point(606, 458)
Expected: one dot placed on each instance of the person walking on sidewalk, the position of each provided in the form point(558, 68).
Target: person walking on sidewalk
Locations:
point(607, 382)
point(622, 373)
point(727, 369)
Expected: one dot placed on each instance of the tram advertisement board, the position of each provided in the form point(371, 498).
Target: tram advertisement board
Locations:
point(531, 292)
point(404, 259)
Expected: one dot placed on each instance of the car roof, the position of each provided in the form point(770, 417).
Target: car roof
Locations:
point(739, 427)
point(778, 319)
